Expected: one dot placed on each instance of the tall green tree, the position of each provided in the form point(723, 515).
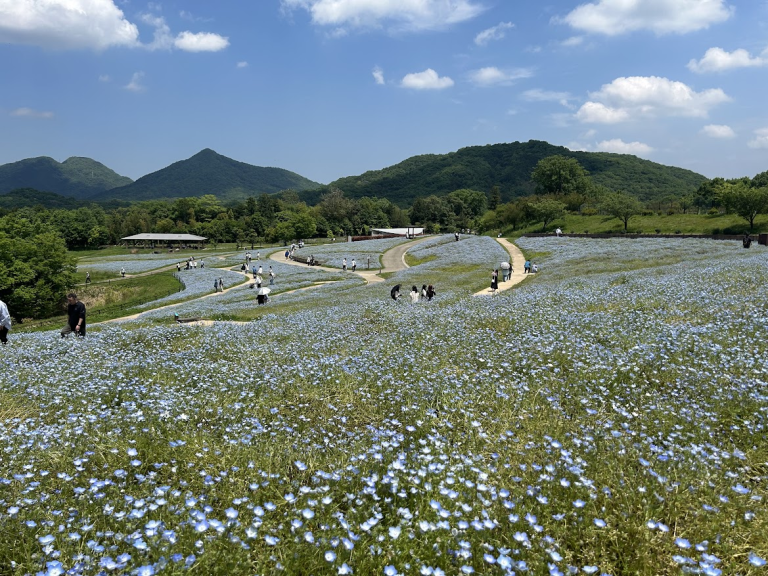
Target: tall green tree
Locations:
point(622, 206)
point(35, 274)
point(560, 175)
point(494, 198)
point(745, 201)
point(546, 210)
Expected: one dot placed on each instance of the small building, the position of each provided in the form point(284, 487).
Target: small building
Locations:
point(409, 232)
point(169, 240)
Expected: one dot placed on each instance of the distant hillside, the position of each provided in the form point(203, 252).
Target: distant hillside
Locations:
point(76, 177)
point(209, 173)
point(509, 166)
point(26, 197)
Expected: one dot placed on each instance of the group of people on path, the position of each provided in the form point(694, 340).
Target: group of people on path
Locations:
point(189, 264)
point(425, 294)
point(344, 265)
point(530, 267)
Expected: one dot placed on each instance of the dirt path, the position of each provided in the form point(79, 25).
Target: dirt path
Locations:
point(518, 262)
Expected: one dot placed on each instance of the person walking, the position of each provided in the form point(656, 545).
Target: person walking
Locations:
point(87, 277)
point(178, 267)
point(215, 284)
point(423, 291)
point(414, 295)
point(5, 322)
point(258, 281)
point(122, 272)
point(221, 285)
point(494, 281)
point(260, 271)
point(344, 264)
point(527, 267)
point(430, 292)
point(354, 265)
point(75, 317)
point(271, 276)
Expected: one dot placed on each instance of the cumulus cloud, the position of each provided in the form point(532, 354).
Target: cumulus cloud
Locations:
point(91, 24)
point(491, 75)
point(614, 17)
point(760, 140)
point(427, 80)
point(104, 78)
point(135, 84)
point(378, 75)
point(242, 64)
point(495, 33)
point(718, 131)
point(618, 146)
point(647, 97)
point(718, 60)
point(200, 42)
point(65, 24)
point(538, 95)
point(31, 113)
point(410, 15)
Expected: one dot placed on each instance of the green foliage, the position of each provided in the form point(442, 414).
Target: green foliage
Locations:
point(560, 175)
point(622, 206)
point(509, 166)
point(546, 210)
point(745, 201)
point(28, 197)
point(77, 177)
point(210, 173)
point(35, 274)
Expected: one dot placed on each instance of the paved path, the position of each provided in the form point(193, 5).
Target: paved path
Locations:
point(518, 263)
point(393, 260)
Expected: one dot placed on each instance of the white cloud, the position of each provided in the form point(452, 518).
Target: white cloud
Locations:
point(538, 95)
point(647, 97)
point(572, 41)
point(427, 80)
point(30, 113)
point(614, 17)
point(135, 84)
point(618, 146)
point(200, 42)
point(601, 114)
point(760, 140)
point(718, 60)
point(94, 24)
point(408, 15)
point(718, 131)
point(378, 75)
point(491, 75)
point(104, 78)
point(495, 33)
point(242, 64)
point(65, 24)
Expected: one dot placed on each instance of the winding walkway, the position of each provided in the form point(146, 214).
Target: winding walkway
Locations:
point(393, 260)
point(518, 263)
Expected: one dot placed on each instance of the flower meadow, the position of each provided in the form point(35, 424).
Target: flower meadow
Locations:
point(333, 254)
point(606, 416)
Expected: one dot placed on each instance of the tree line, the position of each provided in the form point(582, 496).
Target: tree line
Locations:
point(37, 267)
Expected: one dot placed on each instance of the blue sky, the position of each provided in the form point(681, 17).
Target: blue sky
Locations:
point(332, 88)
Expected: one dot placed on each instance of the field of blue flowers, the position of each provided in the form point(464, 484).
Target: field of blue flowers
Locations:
point(606, 416)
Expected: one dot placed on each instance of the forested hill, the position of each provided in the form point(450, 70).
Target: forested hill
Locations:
point(76, 177)
point(509, 166)
point(24, 197)
point(210, 173)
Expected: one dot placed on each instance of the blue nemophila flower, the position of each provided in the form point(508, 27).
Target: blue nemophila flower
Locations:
point(390, 570)
point(300, 465)
point(345, 569)
point(330, 555)
point(271, 540)
point(231, 513)
point(682, 543)
point(47, 539)
point(600, 523)
point(394, 532)
point(756, 560)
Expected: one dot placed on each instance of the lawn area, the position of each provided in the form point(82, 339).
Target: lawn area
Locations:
point(606, 416)
point(672, 224)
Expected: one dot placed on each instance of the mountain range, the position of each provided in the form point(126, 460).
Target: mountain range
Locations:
point(76, 177)
point(507, 166)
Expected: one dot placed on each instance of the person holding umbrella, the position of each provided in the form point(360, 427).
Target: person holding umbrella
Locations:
point(262, 295)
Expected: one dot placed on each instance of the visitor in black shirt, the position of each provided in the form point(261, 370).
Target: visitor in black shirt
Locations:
point(76, 316)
